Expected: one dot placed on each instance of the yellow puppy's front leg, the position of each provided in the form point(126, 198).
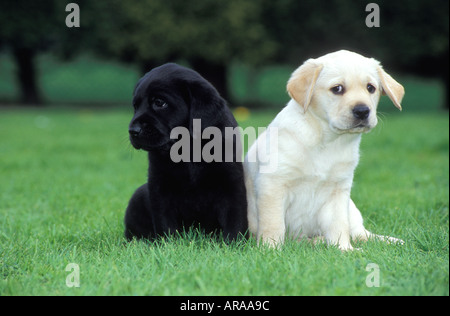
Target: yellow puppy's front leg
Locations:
point(271, 218)
point(334, 222)
point(358, 231)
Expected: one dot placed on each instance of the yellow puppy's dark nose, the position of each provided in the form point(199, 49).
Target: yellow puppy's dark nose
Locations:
point(361, 111)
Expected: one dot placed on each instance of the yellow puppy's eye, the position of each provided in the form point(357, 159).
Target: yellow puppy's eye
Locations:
point(371, 88)
point(338, 89)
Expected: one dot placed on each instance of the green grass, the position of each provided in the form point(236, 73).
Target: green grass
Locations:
point(66, 176)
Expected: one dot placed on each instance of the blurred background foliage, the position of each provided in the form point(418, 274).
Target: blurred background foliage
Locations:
point(246, 48)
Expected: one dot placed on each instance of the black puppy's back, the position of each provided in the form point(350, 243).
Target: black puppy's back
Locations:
point(180, 195)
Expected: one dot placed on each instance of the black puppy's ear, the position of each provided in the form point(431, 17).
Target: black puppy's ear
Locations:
point(205, 104)
point(209, 109)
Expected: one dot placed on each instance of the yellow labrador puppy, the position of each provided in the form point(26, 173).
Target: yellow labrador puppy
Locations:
point(334, 100)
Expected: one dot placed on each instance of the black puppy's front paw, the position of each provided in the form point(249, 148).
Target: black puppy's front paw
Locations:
point(138, 221)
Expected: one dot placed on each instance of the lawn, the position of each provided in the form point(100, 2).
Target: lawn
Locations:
point(66, 176)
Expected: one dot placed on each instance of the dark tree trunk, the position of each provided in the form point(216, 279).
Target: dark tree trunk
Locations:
point(215, 73)
point(147, 65)
point(435, 67)
point(26, 74)
point(446, 85)
point(440, 68)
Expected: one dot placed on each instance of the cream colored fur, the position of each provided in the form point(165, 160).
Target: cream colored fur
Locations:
point(308, 195)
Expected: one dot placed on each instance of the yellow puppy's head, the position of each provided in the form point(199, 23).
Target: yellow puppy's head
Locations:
point(344, 88)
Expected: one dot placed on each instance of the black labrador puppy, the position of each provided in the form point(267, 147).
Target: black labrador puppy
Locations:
point(188, 191)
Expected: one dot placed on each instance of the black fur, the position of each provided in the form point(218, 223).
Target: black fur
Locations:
point(184, 194)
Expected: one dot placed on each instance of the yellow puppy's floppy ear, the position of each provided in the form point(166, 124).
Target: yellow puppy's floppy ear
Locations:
point(301, 84)
point(391, 88)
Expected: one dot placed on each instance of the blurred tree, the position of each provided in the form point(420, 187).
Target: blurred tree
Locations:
point(28, 28)
point(412, 37)
point(208, 34)
point(310, 28)
point(415, 36)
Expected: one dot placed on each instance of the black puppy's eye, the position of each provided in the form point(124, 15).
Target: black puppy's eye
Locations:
point(159, 104)
point(371, 88)
point(338, 89)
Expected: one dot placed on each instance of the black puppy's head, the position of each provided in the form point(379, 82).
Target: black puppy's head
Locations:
point(170, 96)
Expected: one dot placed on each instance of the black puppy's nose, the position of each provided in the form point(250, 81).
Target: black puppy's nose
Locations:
point(361, 111)
point(134, 130)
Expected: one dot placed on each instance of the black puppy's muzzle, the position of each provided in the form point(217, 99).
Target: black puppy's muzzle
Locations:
point(146, 138)
point(135, 131)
